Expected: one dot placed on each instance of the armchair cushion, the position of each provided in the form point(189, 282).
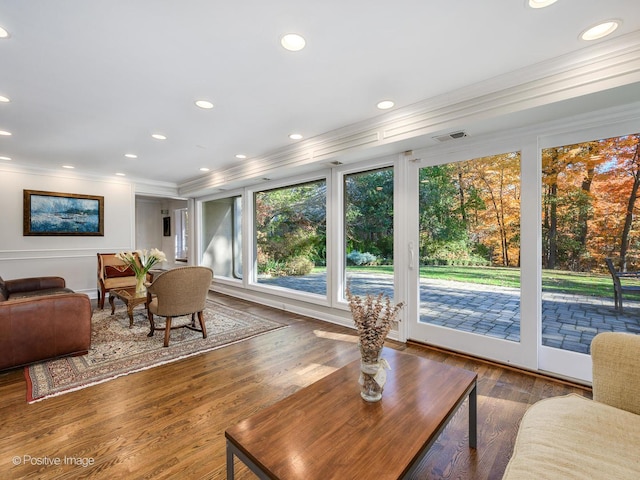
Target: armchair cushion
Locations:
point(116, 271)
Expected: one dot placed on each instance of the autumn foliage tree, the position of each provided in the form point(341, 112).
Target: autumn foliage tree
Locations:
point(589, 204)
point(470, 212)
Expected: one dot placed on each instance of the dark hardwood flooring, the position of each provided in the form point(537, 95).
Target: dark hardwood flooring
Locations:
point(169, 421)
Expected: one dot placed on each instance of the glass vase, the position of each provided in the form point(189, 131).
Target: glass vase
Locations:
point(140, 286)
point(371, 375)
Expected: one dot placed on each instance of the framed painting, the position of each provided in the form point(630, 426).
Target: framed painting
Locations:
point(53, 213)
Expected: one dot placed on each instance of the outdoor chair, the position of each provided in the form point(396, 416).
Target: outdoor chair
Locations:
point(178, 292)
point(618, 287)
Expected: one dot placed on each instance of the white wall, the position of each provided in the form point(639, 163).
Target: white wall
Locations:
point(71, 257)
point(149, 226)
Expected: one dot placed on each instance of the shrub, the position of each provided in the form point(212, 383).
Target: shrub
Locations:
point(298, 266)
point(358, 258)
point(271, 267)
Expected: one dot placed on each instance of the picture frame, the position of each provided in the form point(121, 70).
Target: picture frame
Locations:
point(166, 226)
point(54, 213)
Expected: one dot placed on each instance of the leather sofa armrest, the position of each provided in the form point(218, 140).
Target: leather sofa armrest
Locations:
point(34, 283)
point(43, 327)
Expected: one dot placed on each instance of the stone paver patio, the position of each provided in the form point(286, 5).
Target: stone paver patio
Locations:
point(569, 321)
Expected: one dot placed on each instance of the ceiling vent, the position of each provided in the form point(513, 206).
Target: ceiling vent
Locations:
point(451, 136)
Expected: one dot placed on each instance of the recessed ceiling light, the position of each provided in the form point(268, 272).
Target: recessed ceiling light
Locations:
point(295, 136)
point(204, 169)
point(241, 156)
point(204, 104)
point(541, 3)
point(5, 133)
point(601, 30)
point(131, 155)
point(5, 158)
point(4, 99)
point(159, 136)
point(293, 42)
point(385, 104)
point(3, 33)
point(68, 166)
point(121, 174)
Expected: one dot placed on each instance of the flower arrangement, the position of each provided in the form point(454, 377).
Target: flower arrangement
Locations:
point(148, 258)
point(140, 266)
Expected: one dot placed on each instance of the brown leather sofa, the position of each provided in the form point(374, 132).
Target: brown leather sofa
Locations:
point(41, 319)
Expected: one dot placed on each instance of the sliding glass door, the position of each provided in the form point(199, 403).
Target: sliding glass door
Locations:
point(465, 254)
point(589, 215)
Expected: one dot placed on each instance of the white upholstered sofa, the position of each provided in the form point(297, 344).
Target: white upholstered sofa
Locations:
point(572, 437)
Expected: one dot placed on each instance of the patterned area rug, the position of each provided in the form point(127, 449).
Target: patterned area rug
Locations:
point(117, 350)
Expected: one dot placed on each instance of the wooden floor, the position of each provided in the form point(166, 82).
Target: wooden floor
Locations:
point(169, 421)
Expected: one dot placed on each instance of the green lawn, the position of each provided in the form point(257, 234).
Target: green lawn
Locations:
point(596, 285)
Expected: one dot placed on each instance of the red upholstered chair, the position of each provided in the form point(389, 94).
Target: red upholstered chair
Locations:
point(113, 273)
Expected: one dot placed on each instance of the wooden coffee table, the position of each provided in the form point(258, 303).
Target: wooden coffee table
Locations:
point(327, 430)
point(130, 297)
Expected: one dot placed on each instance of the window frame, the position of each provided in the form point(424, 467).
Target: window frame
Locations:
point(250, 245)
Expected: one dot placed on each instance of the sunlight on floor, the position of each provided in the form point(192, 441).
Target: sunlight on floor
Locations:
point(315, 371)
point(336, 336)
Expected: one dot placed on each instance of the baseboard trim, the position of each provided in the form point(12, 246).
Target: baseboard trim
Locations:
point(548, 377)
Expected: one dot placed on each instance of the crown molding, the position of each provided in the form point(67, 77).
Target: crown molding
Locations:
point(605, 65)
point(141, 186)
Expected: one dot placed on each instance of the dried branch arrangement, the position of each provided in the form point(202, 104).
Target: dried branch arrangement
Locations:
point(374, 316)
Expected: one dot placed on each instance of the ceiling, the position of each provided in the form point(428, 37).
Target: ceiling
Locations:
point(90, 81)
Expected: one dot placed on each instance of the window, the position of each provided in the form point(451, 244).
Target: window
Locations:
point(290, 235)
point(222, 236)
point(182, 235)
point(368, 220)
point(469, 220)
point(589, 213)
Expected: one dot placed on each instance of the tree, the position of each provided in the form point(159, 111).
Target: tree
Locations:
point(369, 212)
point(497, 179)
point(291, 222)
point(552, 167)
point(590, 192)
point(632, 166)
point(443, 232)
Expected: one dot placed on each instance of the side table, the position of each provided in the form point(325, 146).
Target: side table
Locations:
point(130, 297)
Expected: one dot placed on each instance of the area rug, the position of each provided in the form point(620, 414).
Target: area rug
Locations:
point(117, 350)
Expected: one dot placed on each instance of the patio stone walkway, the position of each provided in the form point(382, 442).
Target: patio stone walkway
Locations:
point(569, 321)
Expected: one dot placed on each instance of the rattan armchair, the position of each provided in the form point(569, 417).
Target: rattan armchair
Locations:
point(178, 292)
